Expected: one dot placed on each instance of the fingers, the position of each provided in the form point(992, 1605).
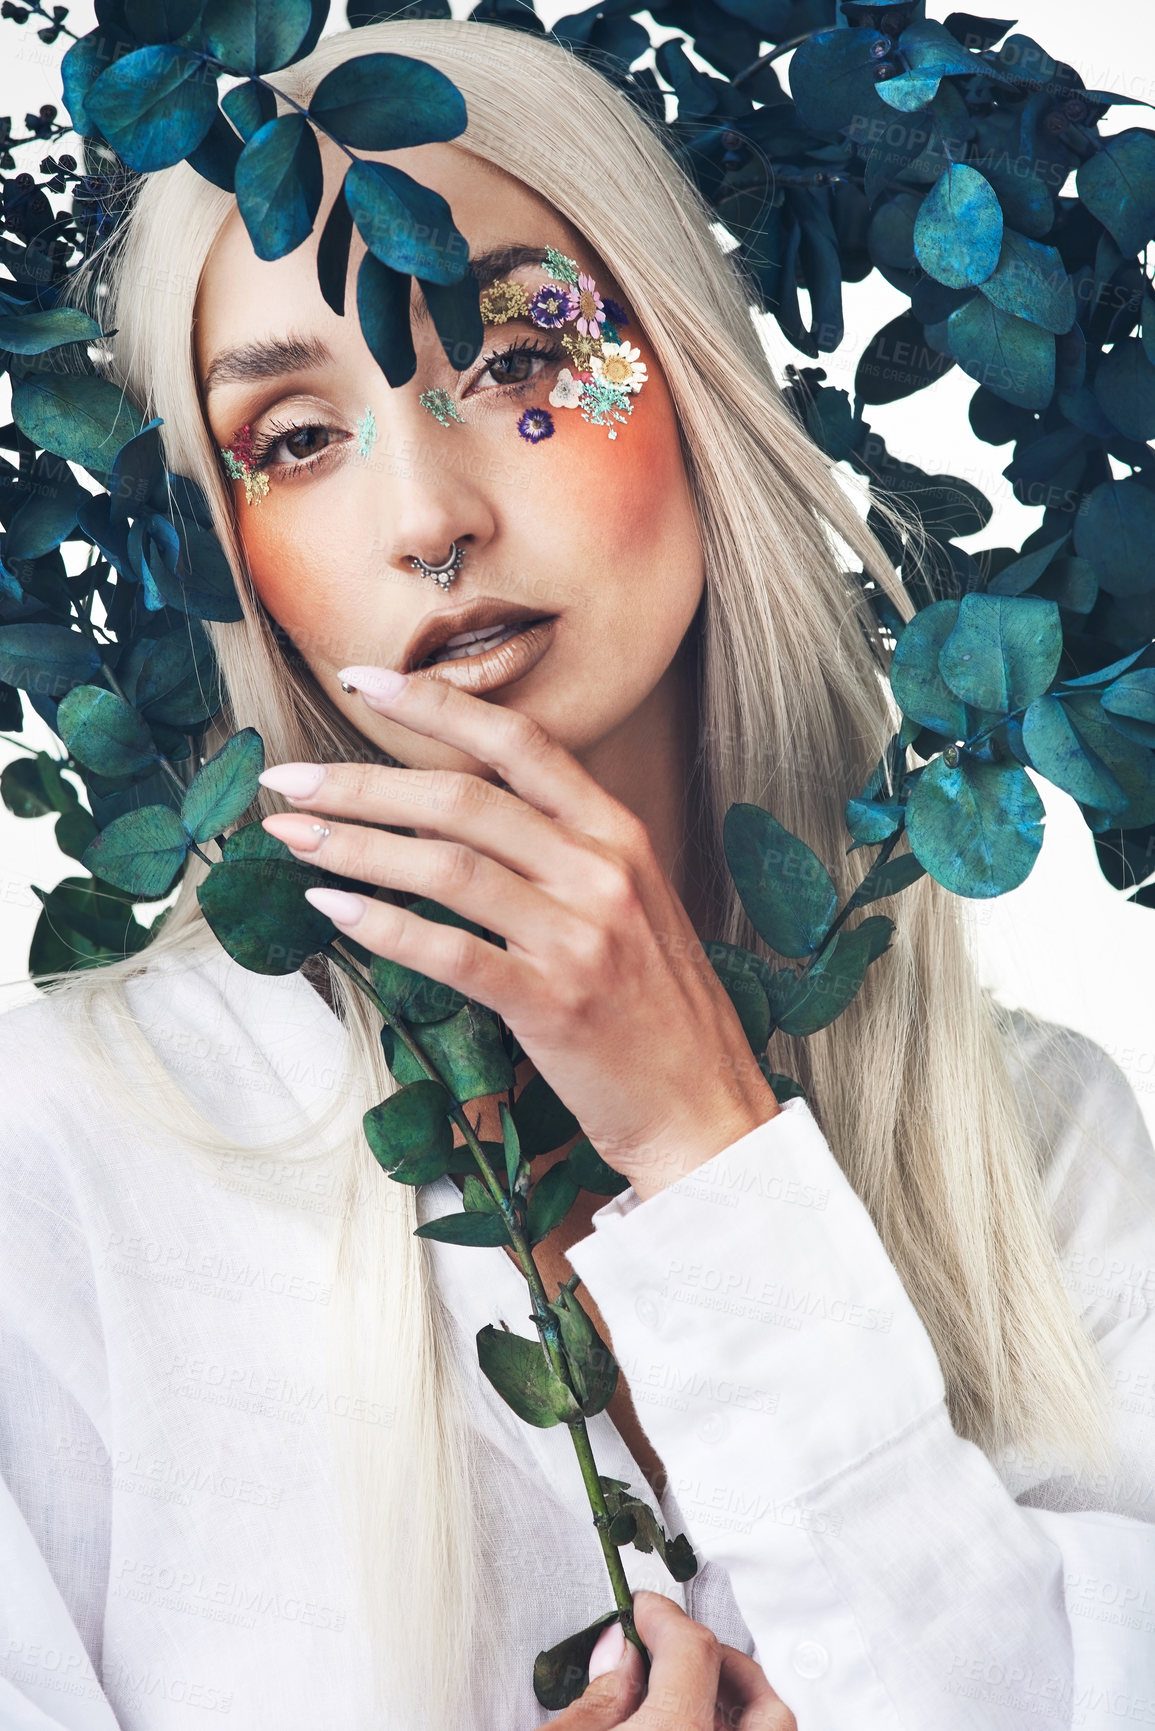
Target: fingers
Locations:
point(686, 1660)
point(461, 808)
point(610, 1698)
point(746, 1701)
point(458, 877)
point(528, 760)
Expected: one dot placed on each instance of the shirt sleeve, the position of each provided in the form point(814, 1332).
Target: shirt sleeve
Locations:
point(890, 1578)
point(55, 1472)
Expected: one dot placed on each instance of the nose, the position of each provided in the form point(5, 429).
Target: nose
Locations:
point(433, 495)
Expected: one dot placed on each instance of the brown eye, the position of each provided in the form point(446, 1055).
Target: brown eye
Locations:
point(512, 368)
point(307, 441)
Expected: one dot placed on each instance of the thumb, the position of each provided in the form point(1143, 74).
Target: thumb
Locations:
point(617, 1674)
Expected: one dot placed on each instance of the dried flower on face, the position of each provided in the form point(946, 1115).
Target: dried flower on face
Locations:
point(502, 301)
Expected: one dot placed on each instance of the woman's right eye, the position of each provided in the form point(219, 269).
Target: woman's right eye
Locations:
point(300, 443)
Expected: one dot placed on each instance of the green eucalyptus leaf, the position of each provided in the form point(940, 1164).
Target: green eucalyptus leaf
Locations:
point(1003, 651)
point(1115, 531)
point(103, 732)
point(47, 517)
point(75, 831)
point(481, 1231)
point(141, 851)
point(478, 1199)
point(550, 1201)
point(870, 821)
point(919, 687)
point(592, 1173)
point(82, 419)
point(976, 827)
point(257, 909)
point(523, 1377)
point(744, 976)
point(785, 889)
point(561, 1673)
point(388, 102)
point(411, 995)
point(785, 1087)
point(959, 228)
point(223, 789)
point(173, 679)
point(410, 1133)
point(542, 1122)
point(511, 1147)
point(1057, 751)
point(593, 1370)
point(22, 788)
point(467, 1051)
point(888, 878)
point(154, 106)
point(82, 925)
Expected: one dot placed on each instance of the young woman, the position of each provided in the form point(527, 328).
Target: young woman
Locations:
point(886, 1350)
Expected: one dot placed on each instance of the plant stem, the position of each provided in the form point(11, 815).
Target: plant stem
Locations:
point(543, 1317)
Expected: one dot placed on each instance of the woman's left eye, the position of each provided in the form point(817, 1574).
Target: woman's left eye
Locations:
point(519, 365)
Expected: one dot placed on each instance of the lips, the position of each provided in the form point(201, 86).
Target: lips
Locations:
point(460, 634)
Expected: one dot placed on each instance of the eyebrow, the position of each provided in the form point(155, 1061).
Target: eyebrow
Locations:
point(272, 357)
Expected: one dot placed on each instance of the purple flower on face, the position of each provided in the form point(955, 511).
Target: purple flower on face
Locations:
point(551, 306)
point(535, 425)
point(614, 311)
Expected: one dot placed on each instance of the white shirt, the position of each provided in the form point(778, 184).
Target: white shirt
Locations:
point(169, 1554)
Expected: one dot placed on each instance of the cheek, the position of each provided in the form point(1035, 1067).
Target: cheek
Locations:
point(309, 582)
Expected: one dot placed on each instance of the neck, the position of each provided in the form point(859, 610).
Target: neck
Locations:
point(647, 764)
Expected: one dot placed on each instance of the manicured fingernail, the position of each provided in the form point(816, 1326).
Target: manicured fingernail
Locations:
point(295, 830)
point(381, 682)
point(342, 908)
point(294, 780)
point(609, 1651)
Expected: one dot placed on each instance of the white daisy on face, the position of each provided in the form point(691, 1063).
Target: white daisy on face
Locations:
point(567, 393)
point(620, 365)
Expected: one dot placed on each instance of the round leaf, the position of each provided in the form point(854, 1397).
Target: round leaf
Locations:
point(1125, 388)
point(154, 106)
point(550, 1201)
point(1031, 281)
point(919, 688)
point(388, 102)
point(104, 732)
point(1011, 357)
point(141, 851)
point(976, 827)
point(542, 1122)
point(255, 36)
point(1117, 184)
point(959, 228)
point(35, 332)
point(1057, 751)
point(47, 660)
point(467, 1052)
point(257, 909)
point(1003, 651)
point(524, 1378)
point(1115, 531)
point(1131, 701)
point(82, 419)
point(410, 1133)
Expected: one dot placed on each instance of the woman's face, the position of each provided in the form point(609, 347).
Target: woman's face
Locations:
point(596, 535)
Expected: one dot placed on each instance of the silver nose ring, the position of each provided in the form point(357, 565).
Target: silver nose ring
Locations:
point(444, 573)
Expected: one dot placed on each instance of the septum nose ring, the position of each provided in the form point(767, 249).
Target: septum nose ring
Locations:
point(444, 573)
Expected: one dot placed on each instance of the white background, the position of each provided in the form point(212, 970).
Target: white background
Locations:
point(1064, 944)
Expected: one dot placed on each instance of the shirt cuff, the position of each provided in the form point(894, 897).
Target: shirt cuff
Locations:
point(758, 1287)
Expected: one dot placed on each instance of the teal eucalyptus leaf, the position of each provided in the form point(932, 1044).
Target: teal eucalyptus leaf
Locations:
point(1010, 357)
point(383, 296)
point(976, 827)
point(103, 732)
point(833, 83)
point(257, 909)
point(250, 106)
point(388, 102)
point(870, 821)
point(919, 688)
point(47, 517)
point(1130, 702)
point(1131, 763)
point(255, 36)
point(154, 106)
point(46, 659)
point(888, 878)
point(910, 92)
point(785, 889)
point(1115, 531)
point(1060, 753)
point(1031, 281)
point(543, 1122)
point(405, 225)
point(141, 851)
point(481, 1231)
point(593, 1370)
point(802, 1005)
point(466, 1050)
point(1117, 184)
point(34, 333)
point(1003, 651)
point(959, 229)
point(1125, 388)
point(226, 785)
point(82, 419)
point(515, 1166)
point(279, 183)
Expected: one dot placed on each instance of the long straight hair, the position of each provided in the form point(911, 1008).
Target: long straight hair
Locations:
point(911, 1084)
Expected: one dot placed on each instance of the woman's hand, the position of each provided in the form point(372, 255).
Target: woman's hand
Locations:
point(696, 1682)
point(602, 980)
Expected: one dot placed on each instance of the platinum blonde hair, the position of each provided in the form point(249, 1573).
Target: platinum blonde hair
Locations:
point(910, 1084)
